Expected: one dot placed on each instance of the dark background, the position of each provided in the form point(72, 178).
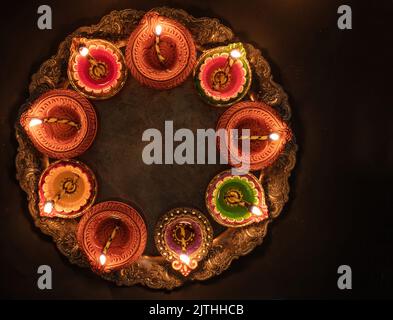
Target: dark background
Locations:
point(340, 207)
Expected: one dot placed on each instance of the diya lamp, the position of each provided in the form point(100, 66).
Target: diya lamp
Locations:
point(96, 68)
point(112, 235)
point(223, 75)
point(66, 189)
point(60, 123)
point(183, 237)
point(268, 134)
point(236, 200)
point(160, 52)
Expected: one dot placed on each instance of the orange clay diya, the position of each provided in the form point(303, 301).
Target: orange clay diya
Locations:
point(96, 68)
point(268, 133)
point(160, 52)
point(112, 235)
point(60, 123)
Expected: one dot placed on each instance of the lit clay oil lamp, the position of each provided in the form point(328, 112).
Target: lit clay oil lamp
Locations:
point(160, 52)
point(267, 138)
point(236, 200)
point(96, 68)
point(222, 75)
point(60, 123)
point(67, 188)
point(112, 236)
point(183, 237)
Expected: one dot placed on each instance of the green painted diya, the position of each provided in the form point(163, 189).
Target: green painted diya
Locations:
point(222, 75)
point(236, 200)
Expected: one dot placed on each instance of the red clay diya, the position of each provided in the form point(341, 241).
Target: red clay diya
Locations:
point(183, 237)
point(236, 200)
point(96, 68)
point(67, 188)
point(112, 235)
point(268, 133)
point(223, 75)
point(160, 52)
point(60, 123)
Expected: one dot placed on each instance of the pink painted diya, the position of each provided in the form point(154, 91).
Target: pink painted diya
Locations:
point(61, 123)
point(183, 237)
point(112, 235)
point(236, 200)
point(223, 75)
point(96, 68)
point(268, 133)
point(67, 188)
point(160, 52)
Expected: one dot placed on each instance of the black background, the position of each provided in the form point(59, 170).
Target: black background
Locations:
point(340, 207)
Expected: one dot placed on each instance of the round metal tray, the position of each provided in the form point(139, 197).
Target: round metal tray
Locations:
point(153, 270)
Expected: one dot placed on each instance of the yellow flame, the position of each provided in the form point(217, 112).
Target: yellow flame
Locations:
point(235, 54)
point(158, 30)
point(274, 136)
point(35, 122)
point(102, 259)
point(84, 51)
point(185, 258)
point(256, 210)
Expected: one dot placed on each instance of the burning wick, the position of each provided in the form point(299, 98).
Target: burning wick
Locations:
point(36, 121)
point(107, 245)
point(85, 52)
point(157, 32)
point(221, 76)
point(273, 136)
point(234, 197)
point(233, 56)
point(69, 186)
point(98, 69)
point(185, 258)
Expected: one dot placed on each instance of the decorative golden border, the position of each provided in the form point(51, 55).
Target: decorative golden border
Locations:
point(155, 272)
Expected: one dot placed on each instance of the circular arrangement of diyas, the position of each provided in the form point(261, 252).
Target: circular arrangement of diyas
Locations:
point(160, 53)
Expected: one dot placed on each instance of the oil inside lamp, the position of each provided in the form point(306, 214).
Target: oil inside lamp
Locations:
point(157, 32)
